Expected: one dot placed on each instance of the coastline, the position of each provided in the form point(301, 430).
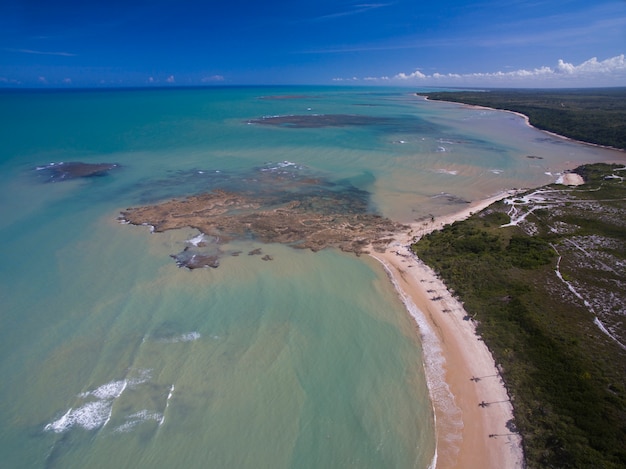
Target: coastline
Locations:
point(527, 121)
point(470, 402)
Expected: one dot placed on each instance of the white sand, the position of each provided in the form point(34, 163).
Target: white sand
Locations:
point(571, 179)
point(469, 435)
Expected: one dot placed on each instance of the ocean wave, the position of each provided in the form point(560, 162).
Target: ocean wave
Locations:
point(280, 166)
point(94, 414)
point(110, 390)
point(186, 337)
point(197, 240)
point(167, 404)
point(49, 165)
point(451, 172)
point(135, 419)
point(90, 416)
point(434, 367)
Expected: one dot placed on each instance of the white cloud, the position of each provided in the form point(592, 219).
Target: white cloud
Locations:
point(355, 10)
point(42, 80)
point(411, 76)
point(67, 81)
point(41, 52)
point(212, 78)
point(9, 81)
point(593, 72)
point(170, 79)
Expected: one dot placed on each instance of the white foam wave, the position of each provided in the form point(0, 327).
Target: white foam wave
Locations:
point(151, 226)
point(110, 390)
point(142, 376)
point(281, 165)
point(451, 172)
point(50, 165)
point(441, 149)
point(90, 416)
point(138, 417)
point(196, 240)
point(434, 366)
point(167, 404)
point(187, 337)
point(496, 171)
point(96, 413)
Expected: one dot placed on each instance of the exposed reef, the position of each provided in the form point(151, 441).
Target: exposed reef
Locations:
point(63, 171)
point(312, 222)
point(313, 121)
point(319, 120)
point(279, 205)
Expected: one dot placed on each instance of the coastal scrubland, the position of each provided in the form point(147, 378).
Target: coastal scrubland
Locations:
point(543, 275)
point(589, 115)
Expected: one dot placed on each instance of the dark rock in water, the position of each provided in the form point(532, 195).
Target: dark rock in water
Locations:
point(267, 257)
point(255, 252)
point(319, 120)
point(193, 260)
point(450, 198)
point(315, 121)
point(65, 171)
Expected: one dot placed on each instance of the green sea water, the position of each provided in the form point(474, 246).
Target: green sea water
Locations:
point(112, 356)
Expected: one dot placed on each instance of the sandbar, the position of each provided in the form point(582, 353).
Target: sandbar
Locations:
point(473, 412)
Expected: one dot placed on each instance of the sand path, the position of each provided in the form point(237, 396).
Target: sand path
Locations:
point(470, 402)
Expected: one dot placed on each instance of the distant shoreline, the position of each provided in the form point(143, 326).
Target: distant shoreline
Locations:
point(591, 117)
point(527, 120)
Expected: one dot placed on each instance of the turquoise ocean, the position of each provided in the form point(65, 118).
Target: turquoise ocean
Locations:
point(111, 356)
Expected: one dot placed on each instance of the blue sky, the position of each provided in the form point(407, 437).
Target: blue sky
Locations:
point(530, 43)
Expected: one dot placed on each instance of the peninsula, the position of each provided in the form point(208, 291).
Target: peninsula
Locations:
point(595, 116)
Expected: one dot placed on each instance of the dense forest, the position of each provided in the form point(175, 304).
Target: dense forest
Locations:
point(590, 115)
point(542, 274)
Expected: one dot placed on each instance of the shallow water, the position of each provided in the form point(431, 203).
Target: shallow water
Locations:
point(112, 356)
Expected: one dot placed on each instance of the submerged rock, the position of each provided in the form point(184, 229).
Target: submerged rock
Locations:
point(319, 120)
point(195, 260)
point(65, 171)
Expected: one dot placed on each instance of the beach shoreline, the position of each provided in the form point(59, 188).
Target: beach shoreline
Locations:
point(470, 401)
point(526, 120)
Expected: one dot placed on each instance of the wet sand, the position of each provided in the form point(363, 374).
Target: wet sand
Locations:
point(471, 404)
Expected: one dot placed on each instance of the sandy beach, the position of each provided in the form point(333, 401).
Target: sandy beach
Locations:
point(470, 401)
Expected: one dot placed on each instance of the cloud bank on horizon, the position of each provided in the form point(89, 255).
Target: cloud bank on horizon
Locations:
point(543, 43)
point(592, 72)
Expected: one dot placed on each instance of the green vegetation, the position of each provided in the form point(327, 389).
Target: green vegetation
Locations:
point(590, 115)
point(566, 378)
